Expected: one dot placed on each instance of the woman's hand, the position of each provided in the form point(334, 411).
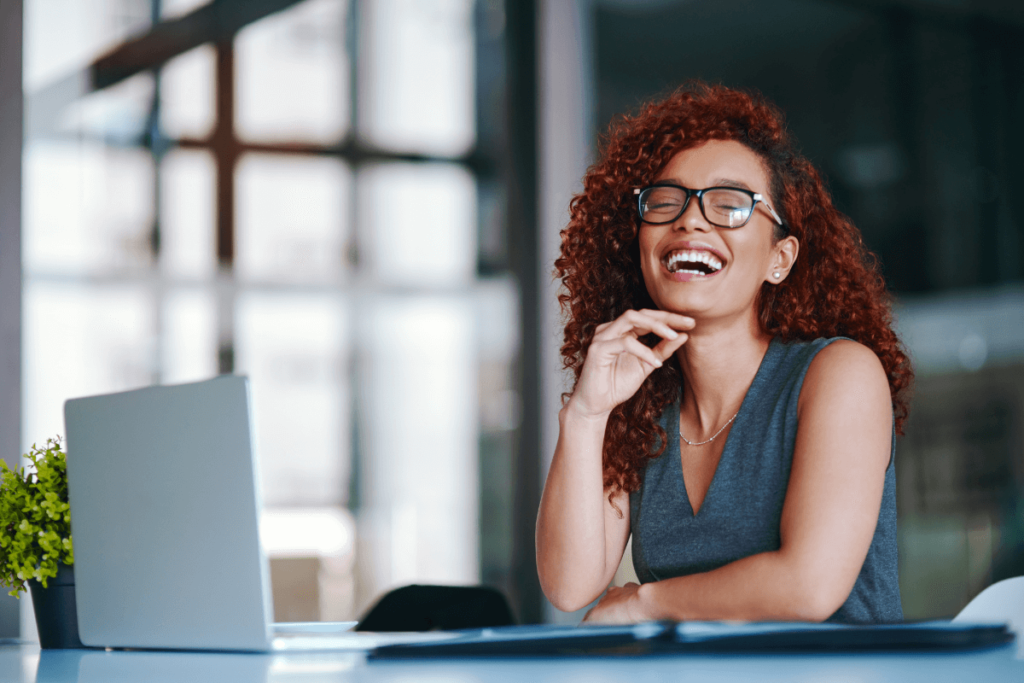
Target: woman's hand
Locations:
point(618, 606)
point(617, 362)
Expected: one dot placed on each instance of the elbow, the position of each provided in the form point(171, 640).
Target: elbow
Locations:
point(564, 596)
point(817, 600)
point(813, 586)
point(567, 602)
point(814, 609)
point(568, 586)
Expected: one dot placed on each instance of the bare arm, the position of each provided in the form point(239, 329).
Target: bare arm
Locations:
point(580, 535)
point(828, 518)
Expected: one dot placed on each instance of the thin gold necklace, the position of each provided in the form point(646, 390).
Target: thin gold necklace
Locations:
point(701, 443)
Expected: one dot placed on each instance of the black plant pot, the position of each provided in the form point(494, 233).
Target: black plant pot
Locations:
point(56, 616)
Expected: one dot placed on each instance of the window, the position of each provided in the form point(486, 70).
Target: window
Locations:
point(294, 198)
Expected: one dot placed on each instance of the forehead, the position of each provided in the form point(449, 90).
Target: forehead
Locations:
point(714, 162)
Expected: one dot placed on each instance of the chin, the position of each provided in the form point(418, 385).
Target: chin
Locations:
point(685, 305)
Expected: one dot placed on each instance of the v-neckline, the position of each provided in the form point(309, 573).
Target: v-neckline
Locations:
point(726, 450)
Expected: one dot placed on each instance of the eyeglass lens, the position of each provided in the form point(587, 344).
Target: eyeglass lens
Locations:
point(722, 207)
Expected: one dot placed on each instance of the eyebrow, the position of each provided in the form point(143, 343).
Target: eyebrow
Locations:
point(730, 182)
point(717, 182)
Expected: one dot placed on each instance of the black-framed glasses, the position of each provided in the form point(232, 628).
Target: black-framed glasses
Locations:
point(725, 207)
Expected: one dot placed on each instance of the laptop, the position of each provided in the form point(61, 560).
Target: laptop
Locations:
point(164, 494)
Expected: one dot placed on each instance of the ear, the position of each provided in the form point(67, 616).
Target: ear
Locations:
point(783, 258)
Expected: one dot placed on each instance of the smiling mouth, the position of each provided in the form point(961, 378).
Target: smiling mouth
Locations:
point(692, 262)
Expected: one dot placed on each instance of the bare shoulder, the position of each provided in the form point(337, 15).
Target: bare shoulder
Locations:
point(844, 367)
point(845, 398)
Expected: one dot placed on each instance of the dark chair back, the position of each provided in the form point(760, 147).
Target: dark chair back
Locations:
point(434, 608)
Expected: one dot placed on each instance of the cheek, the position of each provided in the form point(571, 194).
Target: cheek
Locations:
point(647, 258)
point(649, 264)
point(754, 251)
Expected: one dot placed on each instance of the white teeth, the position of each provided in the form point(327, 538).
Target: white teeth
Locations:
point(704, 257)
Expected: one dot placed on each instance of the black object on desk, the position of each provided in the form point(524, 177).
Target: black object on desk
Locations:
point(704, 637)
point(431, 608)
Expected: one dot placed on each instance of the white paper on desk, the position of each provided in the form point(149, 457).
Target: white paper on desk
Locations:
point(296, 628)
point(354, 641)
point(699, 631)
point(642, 631)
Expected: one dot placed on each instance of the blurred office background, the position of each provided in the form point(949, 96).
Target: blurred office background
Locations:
point(357, 202)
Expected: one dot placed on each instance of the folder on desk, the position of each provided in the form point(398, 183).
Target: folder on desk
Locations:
point(702, 637)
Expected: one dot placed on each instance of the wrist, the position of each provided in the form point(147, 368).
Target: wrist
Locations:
point(572, 412)
point(646, 605)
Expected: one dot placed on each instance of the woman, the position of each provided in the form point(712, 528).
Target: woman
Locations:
point(738, 382)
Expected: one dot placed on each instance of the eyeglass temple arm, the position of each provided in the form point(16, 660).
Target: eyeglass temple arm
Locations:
point(768, 206)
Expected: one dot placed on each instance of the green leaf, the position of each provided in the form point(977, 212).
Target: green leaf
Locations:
point(35, 518)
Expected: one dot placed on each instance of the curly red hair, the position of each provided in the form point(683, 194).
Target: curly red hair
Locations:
point(834, 289)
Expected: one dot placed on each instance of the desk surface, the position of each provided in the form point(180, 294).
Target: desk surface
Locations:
point(26, 664)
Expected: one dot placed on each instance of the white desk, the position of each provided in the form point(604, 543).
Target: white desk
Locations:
point(22, 663)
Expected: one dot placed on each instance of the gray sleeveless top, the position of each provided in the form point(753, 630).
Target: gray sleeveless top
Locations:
point(742, 509)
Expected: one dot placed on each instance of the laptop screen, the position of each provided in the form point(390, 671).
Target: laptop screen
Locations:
point(164, 517)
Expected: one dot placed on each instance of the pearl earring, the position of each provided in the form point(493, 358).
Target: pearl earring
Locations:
point(776, 275)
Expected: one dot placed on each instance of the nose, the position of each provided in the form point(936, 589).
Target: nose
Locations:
point(692, 219)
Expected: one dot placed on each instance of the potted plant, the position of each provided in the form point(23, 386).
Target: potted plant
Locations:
point(35, 542)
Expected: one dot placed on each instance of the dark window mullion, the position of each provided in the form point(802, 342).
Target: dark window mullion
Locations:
point(225, 149)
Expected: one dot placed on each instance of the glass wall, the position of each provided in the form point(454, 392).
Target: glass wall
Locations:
point(295, 201)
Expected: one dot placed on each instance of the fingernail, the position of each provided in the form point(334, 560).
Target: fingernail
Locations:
point(673, 334)
point(657, 363)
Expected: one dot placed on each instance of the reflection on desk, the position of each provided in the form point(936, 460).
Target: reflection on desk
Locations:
point(26, 664)
point(70, 666)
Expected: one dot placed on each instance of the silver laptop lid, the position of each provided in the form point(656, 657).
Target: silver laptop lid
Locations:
point(164, 516)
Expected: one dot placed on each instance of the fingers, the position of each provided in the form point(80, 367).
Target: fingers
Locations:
point(664, 324)
point(665, 348)
point(610, 343)
point(644, 321)
point(676, 321)
point(644, 353)
point(630, 345)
